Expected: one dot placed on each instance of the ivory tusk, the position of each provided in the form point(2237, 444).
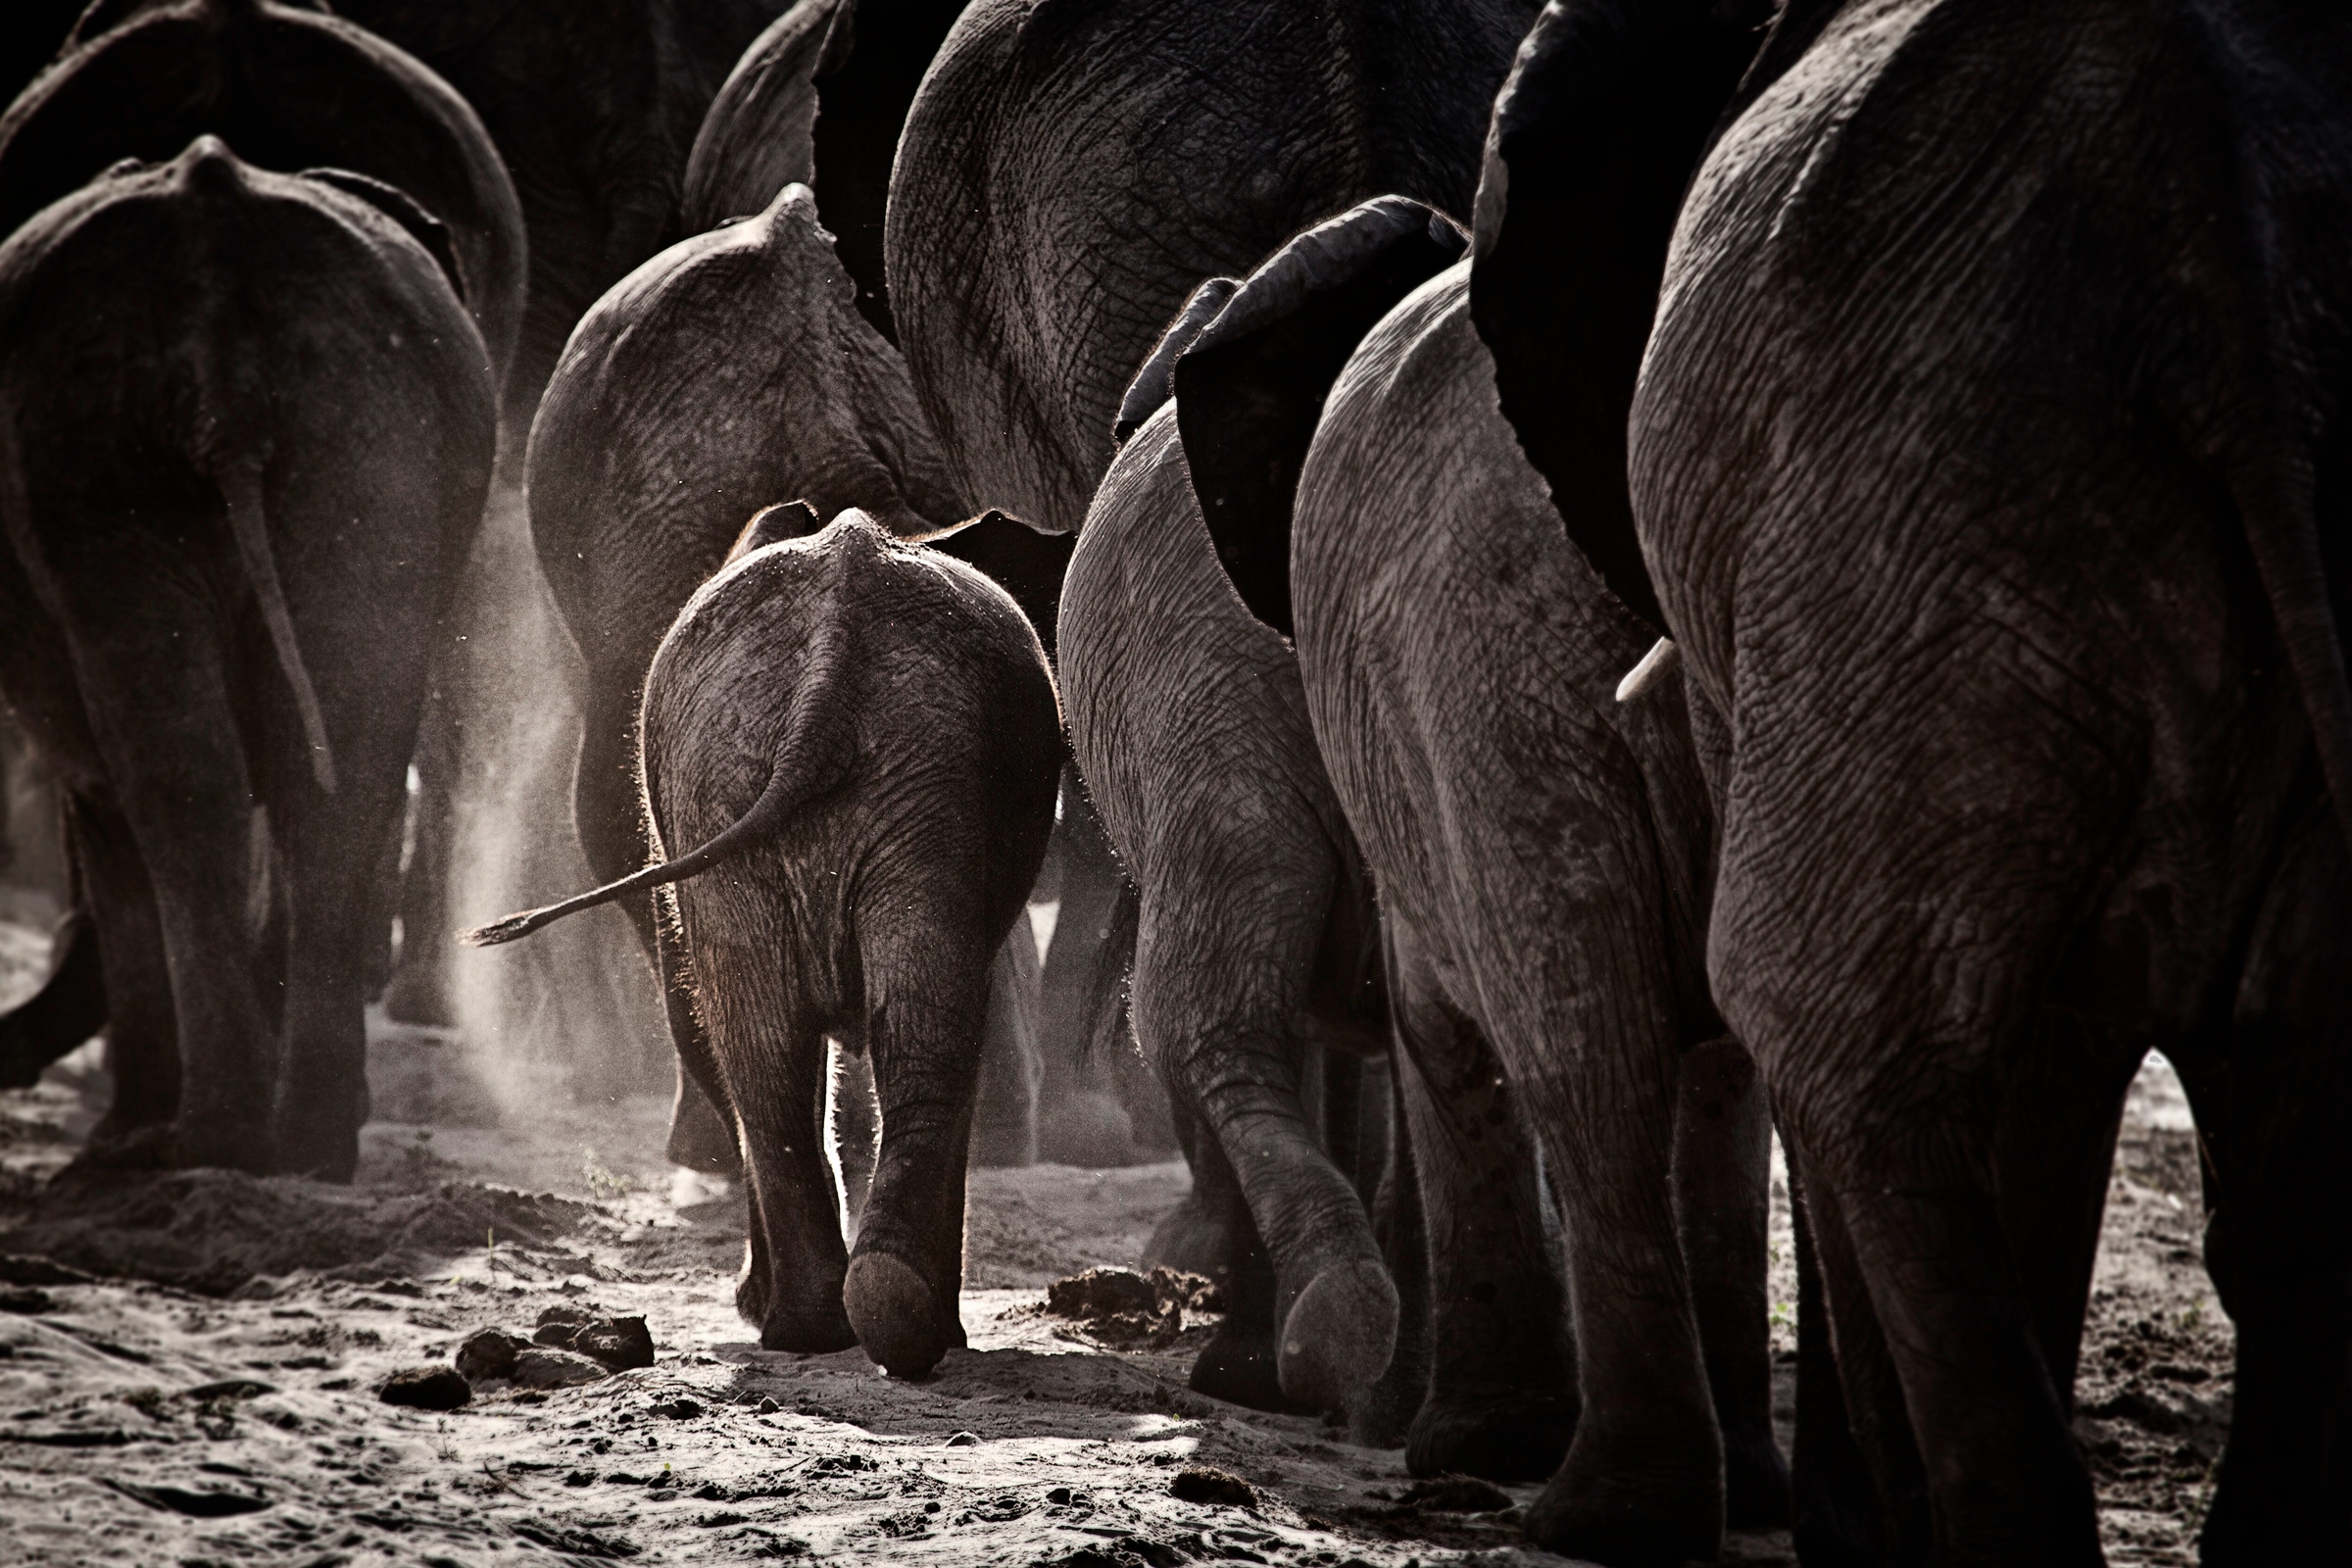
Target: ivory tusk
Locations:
point(1655, 664)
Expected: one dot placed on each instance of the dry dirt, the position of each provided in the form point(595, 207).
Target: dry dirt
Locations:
point(208, 1395)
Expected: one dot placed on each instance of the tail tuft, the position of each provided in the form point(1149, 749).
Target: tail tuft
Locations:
point(506, 930)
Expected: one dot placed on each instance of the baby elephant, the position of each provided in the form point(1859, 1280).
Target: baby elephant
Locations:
point(865, 734)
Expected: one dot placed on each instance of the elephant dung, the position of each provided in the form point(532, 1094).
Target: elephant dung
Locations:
point(619, 1343)
point(426, 1388)
point(540, 1367)
point(487, 1353)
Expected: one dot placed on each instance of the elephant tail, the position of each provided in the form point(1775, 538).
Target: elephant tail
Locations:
point(813, 760)
point(240, 485)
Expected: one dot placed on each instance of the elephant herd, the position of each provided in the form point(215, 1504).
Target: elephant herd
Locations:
point(1554, 587)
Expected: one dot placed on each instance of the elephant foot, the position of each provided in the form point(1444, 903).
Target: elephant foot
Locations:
point(1633, 1503)
point(894, 1315)
point(1237, 1365)
point(1191, 1239)
point(1339, 1335)
point(206, 1145)
point(1755, 1482)
point(321, 1152)
point(419, 995)
point(815, 1329)
point(1507, 1438)
point(113, 1147)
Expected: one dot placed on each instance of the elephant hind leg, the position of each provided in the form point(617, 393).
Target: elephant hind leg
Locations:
point(791, 1284)
point(1916, 1225)
point(2272, 1104)
point(924, 1029)
point(1502, 1400)
point(1723, 1206)
point(157, 689)
point(134, 986)
point(1005, 1130)
point(1836, 1517)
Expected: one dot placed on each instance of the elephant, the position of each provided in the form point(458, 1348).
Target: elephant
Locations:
point(1260, 949)
point(1988, 462)
point(1543, 856)
point(249, 428)
point(1071, 170)
point(730, 371)
point(827, 85)
point(289, 89)
point(592, 108)
point(865, 734)
point(830, 82)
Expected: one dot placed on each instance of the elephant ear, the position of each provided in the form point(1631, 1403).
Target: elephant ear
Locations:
point(770, 525)
point(1025, 563)
point(397, 205)
point(1597, 133)
point(1250, 386)
point(865, 83)
point(1156, 382)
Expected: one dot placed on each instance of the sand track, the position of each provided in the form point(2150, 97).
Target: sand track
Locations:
point(208, 1397)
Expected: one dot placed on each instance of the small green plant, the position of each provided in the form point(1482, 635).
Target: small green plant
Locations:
point(603, 1184)
point(2193, 1316)
point(1782, 1315)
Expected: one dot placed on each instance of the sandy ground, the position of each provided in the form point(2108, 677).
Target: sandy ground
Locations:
point(208, 1396)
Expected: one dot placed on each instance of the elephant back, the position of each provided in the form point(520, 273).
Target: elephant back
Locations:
point(287, 90)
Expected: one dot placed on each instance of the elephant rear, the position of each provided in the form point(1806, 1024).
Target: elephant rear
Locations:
point(250, 429)
point(903, 703)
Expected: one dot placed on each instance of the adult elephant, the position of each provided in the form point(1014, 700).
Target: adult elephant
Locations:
point(1542, 852)
point(289, 89)
point(1072, 168)
point(821, 98)
point(730, 372)
point(593, 110)
point(1994, 487)
point(1259, 956)
point(249, 431)
point(292, 91)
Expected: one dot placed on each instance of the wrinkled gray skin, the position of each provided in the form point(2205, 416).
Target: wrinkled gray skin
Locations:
point(1993, 486)
point(250, 431)
point(1072, 168)
point(730, 372)
point(1255, 936)
point(288, 89)
point(827, 86)
point(865, 734)
point(1543, 855)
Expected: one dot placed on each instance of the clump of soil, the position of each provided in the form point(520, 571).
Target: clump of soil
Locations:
point(1122, 1307)
point(1452, 1493)
point(213, 1231)
point(1205, 1483)
point(425, 1388)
